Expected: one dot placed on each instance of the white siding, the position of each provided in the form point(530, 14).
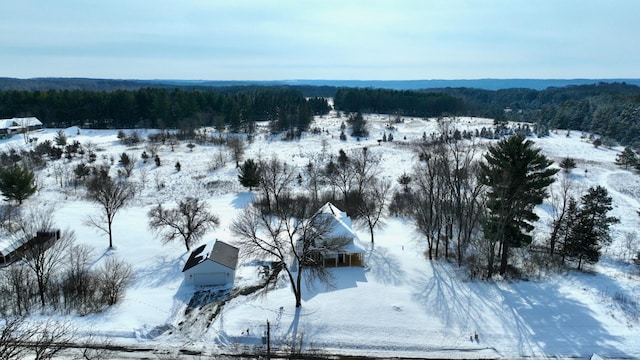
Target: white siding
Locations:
point(209, 273)
point(209, 279)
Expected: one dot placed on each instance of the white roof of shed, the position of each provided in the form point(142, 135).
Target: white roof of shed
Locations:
point(19, 122)
point(219, 252)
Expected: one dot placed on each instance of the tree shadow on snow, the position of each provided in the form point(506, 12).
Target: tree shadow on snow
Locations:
point(560, 325)
point(536, 318)
point(163, 270)
point(300, 332)
point(341, 278)
point(241, 200)
point(383, 266)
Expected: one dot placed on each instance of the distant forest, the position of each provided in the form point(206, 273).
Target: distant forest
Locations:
point(234, 109)
point(611, 110)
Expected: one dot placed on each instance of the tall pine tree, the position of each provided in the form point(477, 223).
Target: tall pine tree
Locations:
point(249, 174)
point(517, 175)
point(17, 183)
point(627, 158)
point(590, 230)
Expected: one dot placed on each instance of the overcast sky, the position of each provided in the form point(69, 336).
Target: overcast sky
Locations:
point(320, 39)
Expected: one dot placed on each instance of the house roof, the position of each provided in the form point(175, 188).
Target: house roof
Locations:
point(224, 254)
point(19, 122)
point(7, 246)
point(219, 252)
point(340, 227)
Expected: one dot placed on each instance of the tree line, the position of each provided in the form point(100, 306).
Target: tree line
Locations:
point(235, 108)
point(408, 103)
point(607, 109)
point(610, 110)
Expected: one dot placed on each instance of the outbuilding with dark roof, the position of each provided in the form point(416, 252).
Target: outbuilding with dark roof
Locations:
point(211, 265)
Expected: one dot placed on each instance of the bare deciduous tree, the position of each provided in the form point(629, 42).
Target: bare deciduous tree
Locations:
point(313, 172)
point(14, 336)
point(464, 191)
point(237, 146)
point(293, 238)
point(79, 284)
point(45, 248)
point(429, 200)
point(374, 203)
point(17, 283)
point(144, 178)
point(114, 276)
point(190, 221)
point(50, 338)
point(277, 178)
point(96, 348)
point(111, 196)
point(560, 198)
point(365, 165)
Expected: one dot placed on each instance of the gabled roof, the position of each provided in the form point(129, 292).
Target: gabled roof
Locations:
point(340, 227)
point(19, 122)
point(220, 252)
point(224, 254)
point(340, 222)
point(7, 246)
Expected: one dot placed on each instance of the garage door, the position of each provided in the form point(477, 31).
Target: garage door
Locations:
point(208, 279)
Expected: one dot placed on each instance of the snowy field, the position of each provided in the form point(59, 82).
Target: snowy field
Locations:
point(399, 305)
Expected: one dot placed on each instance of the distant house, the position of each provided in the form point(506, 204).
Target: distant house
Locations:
point(13, 250)
point(211, 264)
point(12, 126)
point(350, 252)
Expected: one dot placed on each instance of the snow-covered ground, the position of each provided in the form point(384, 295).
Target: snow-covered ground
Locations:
point(399, 305)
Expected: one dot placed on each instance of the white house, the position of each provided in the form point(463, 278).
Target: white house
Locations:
point(19, 125)
point(351, 253)
point(211, 265)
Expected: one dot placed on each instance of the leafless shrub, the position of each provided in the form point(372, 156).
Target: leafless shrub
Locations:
point(114, 276)
point(96, 349)
point(50, 338)
point(79, 284)
point(219, 160)
point(13, 338)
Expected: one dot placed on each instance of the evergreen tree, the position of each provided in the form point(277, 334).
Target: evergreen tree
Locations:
point(404, 180)
point(249, 174)
point(343, 159)
point(17, 183)
point(565, 226)
point(627, 158)
point(590, 231)
point(358, 125)
point(61, 138)
point(125, 159)
point(567, 164)
point(517, 175)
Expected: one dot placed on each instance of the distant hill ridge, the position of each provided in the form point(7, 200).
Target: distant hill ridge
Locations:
point(132, 84)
